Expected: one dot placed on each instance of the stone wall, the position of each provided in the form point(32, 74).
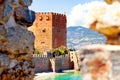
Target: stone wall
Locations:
point(66, 63)
point(42, 64)
point(75, 57)
point(16, 42)
point(57, 64)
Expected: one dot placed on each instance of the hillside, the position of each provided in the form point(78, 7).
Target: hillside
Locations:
point(79, 36)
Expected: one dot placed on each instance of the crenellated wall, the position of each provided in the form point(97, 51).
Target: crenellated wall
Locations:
point(44, 63)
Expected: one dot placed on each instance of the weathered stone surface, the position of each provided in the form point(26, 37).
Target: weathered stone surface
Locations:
point(22, 71)
point(25, 3)
point(19, 36)
point(5, 12)
point(2, 34)
point(4, 60)
point(12, 64)
point(24, 16)
point(15, 2)
point(16, 42)
point(16, 69)
point(16, 36)
point(25, 57)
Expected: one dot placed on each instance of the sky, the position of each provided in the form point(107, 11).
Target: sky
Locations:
point(59, 6)
point(82, 12)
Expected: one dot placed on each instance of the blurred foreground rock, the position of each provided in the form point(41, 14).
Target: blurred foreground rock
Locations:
point(110, 31)
point(100, 62)
point(111, 1)
point(16, 42)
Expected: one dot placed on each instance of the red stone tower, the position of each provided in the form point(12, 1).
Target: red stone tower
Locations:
point(49, 30)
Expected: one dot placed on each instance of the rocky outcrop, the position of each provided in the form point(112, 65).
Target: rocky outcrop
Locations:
point(100, 62)
point(16, 42)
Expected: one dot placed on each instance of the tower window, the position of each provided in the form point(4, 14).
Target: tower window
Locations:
point(44, 30)
point(47, 18)
point(42, 42)
point(40, 18)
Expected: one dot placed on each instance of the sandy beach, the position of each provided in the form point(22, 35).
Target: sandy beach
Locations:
point(44, 75)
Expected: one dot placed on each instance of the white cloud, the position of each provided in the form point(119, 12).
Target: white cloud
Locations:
point(87, 13)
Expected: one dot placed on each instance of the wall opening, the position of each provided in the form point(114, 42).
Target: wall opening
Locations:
point(44, 30)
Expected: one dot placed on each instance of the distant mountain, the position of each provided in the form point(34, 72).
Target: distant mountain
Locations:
point(78, 36)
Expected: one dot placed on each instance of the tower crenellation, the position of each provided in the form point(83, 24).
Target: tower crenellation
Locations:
point(50, 30)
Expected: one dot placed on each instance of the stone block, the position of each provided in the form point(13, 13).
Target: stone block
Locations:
point(2, 34)
point(12, 64)
point(24, 16)
point(5, 12)
point(15, 2)
point(21, 40)
point(25, 3)
point(4, 60)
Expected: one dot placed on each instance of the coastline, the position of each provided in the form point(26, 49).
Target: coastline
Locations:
point(45, 75)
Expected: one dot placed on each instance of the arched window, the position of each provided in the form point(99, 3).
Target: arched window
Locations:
point(44, 30)
point(47, 18)
point(40, 18)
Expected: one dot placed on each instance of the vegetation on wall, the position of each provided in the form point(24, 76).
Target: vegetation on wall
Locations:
point(37, 52)
point(72, 49)
point(62, 50)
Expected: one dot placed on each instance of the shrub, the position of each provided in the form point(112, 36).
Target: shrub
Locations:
point(62, 50)
point(37, 52)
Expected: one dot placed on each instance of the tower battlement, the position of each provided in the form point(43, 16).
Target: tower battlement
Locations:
point(51, 13)
point(50, 30)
